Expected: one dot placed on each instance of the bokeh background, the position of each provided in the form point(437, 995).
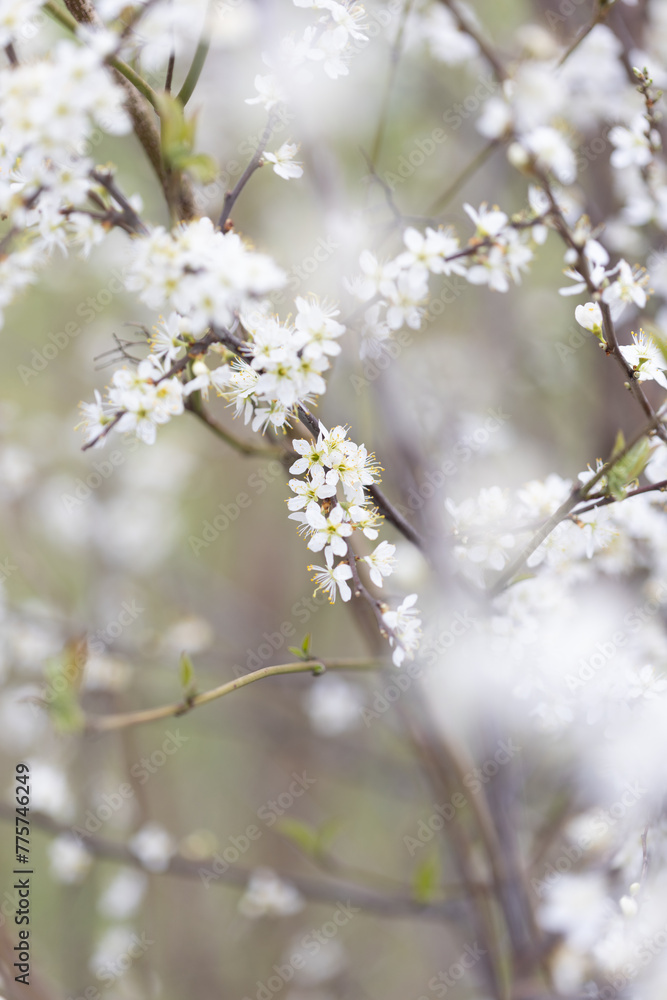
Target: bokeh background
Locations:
point(118, 547)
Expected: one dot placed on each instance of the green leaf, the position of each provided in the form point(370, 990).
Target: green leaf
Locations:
point(64, 678)
point(303, 835)
point(178, 136)
point(627, 469)
point(327, 833)
point(202, 167)
point(426, 878)
point(187, 673)
point(303, 652)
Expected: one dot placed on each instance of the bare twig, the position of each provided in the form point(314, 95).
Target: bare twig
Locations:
point(105, 723)
point(254, 164)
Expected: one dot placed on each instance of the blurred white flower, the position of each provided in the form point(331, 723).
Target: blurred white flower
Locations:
point(123, 895)
point(154, 847)
point(68, 859)
point(283, 161)
point(266, 895)
point(333, 705)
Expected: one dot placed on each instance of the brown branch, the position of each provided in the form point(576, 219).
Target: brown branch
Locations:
point(254, 164)
point(312, 889)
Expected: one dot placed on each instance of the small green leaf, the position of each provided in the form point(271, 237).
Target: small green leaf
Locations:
point(304, 836)
point(201, 166)
point(64, 678)
point(187, 673)
point(628, 468)
point(178, 139)
point(303, 651)
point(327, 833)
point(426, 878)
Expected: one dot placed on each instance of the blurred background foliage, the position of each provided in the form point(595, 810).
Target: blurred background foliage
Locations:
point(80, 559)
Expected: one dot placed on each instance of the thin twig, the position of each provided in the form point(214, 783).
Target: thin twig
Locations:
point(578, 494)
point(389, 86)
point(256, 162)
point(105, 723)
point(199, 58)
point(313, 889)
point(464, 176)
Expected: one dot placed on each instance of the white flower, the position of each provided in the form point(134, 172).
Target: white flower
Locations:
point(628, 287)
point(204, 378)
point(349, 19)
point(365, 519)
point(378, 277)
point(551, 151)
point(167, 339)
point(488, 223)
point(69, 859)
point(269, 93)
point(589, 316)
point(330, 531)
point(406, 628)
point(495, 119)
point(645, 359)
point(123, 895)
point(266, 895)
point(319, 487)
point(96, 418)
point(429, 251)
point(154, 847)
point(330, 577)
point(405, 300)
point(447, 42)
point(576, 906)
point(330, 50)
point(313, 453)
point(283, 161)
point(633, 144)
point(333, 705)
point(381, 562)
point(316, 328)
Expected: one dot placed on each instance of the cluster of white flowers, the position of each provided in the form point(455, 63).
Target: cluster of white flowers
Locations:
point(498, 253)
point(137, 401)
point(330, 43)
point(48, 110)
point(284, 368)
point(201, 273)
point(266, 895)
point(327, 464)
